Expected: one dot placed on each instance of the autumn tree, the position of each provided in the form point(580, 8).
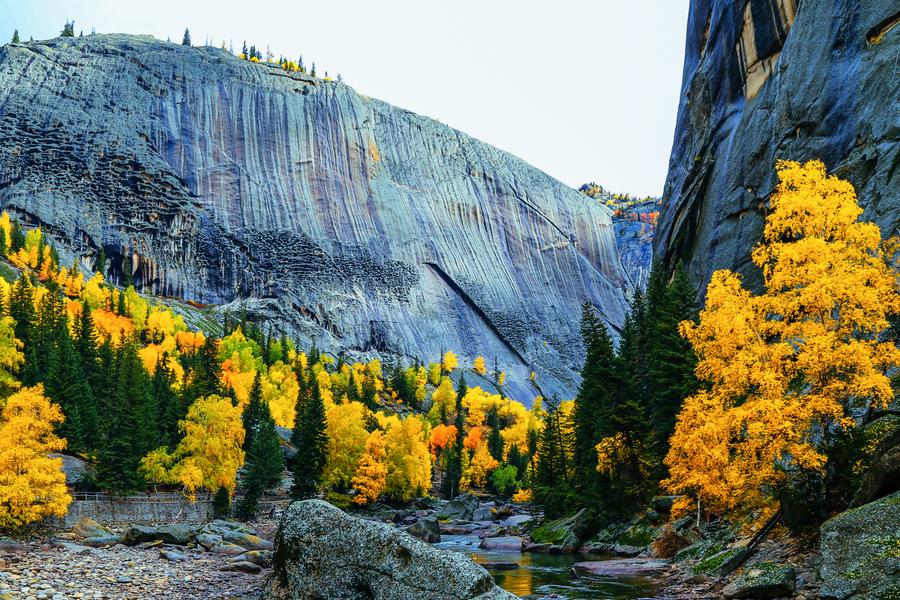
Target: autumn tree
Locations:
point(407, 458)
point(454, 456)
point(347, 435)
point(371, 473)
point(209, 454)
point(11, 357)
point(32, 485)
point(787, 367)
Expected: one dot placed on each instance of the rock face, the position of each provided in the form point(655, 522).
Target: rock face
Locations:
point(379, 231)
point(634, 226)
point(860, 551)
point(777, 79)
point(321, 552)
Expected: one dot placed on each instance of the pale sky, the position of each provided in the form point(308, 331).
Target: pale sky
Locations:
point(582, 89)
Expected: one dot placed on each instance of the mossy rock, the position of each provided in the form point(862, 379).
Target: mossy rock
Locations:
point(719, 563)
point(567, 532)
point(860, 551)
point(763, 580)
point(638, 535)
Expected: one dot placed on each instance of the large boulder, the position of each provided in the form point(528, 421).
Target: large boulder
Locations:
point(462, 507)
point(568, 532)
point(87, 527)
point(322, 552)
point(247, 540)
point(763, 580)
point(75, 469)
point(860, 551)
point(169, 534)
point(427, 530)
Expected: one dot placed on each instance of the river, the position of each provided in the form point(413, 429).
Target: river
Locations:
point(545, 575)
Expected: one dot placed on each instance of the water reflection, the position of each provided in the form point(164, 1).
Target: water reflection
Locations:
point(542, 575)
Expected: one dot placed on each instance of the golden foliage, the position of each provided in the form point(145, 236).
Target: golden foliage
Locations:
point(32, 485)
point(347, 436)
point(407, 458)
point(478, 365)
point(371, 474)
point(784, 364)
point(210, 453)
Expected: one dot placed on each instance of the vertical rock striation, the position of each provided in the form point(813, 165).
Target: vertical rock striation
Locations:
point(379, 231)
point(778, 79)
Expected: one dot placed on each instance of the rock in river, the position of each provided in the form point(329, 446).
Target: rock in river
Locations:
point(626, 567)
point(322, 552)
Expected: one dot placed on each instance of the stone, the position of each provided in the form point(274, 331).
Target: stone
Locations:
point(663, 504)
point(172, 555)
point(87, 527)
point(247, 540)
point(461, 508)
point(625, 567)
point(884, 468)
point(568, 532)
point(208, 540)
point(383, 232)
point(169, 534)
point(625, 550)
point(262, 558)
point(499, 566)
point(75, 469)
point(860, 552)
point(10, 546)
point(808, 84)
point(483, 513)
point(322, 552)
point(228, 548)
point(503, 543)
point(427, 529)
point(242, 566)
point(516, 521)
point(102, 540)
point(762, 581)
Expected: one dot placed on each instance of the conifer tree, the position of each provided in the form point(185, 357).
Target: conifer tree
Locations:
point(672, 360)
point(168, 410)
point(253, 412)
point(16, 237)
point(495, 440)
point(129, 433)
point(552, 485)
point(264, 464)
point(312, 445)
point(594, 403)
point(100, 264)
point(68, 29)
point(3, 242)
point(186, 40)
point(454, 459)
point(66, 385)
point(43, 337)
point(15, 38)
point(22, 309)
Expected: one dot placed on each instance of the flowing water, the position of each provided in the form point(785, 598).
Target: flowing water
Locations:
point(546, 575)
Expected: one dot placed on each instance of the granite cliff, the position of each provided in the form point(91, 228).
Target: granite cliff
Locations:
point(335, 215)
point(778, 79)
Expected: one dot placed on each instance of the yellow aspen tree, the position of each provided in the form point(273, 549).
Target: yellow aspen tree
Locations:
point(482, 464)
point(478, 365)
point(443, 403)
point(210, 453)
point(408, 459)
point(32, 485)
point(347, 436)
point(11, 357)
point(449, 361)
point(371, 474)
point(786, 367)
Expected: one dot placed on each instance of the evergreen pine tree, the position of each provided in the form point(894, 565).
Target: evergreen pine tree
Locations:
point(495, 440)
point(67, 386)
point(453, 461)
point(311, 442)
point(130, 428)
point(15, 38)
point(253, 412)
point(594, 404)
point(3, 242)
point(552, 485)
point(100, 264)
point(68, 29)
point(22, 309)
point(264, 464)
point(671, 357)
point(186, 40)
point(168, 409)
point(16, 237)
point(43, 336)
